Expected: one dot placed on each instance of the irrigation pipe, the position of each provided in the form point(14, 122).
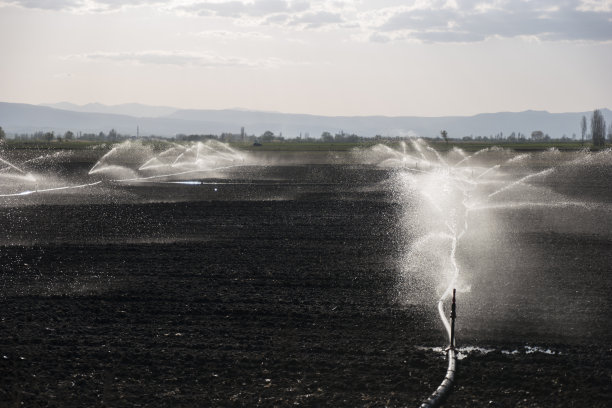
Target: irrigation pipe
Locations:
point(445, 387)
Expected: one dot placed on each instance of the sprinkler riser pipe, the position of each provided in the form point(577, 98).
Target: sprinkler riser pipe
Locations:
point(453, 315)
point(445, 387)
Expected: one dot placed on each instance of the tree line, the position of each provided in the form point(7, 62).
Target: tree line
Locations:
point(597, 136)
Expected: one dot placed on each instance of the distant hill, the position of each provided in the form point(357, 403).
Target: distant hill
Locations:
point(166, 121)
point(131, 109)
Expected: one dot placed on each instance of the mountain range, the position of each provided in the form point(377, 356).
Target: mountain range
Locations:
point(17, 118)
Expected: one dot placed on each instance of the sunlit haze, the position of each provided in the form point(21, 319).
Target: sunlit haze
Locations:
point(390, 57)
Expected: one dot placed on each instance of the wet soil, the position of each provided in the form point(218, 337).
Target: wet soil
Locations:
point(280, 289)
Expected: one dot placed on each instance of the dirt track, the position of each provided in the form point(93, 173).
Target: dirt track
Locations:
point(274, 293)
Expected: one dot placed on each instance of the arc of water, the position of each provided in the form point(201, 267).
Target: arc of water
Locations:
point(12, 165)
point(417, 147)
point(44, 157)
point(45, 190)
point(438, 156)
point(460, 151)
point(522, 180)
point(462, 160)
point(489, 170)
point(472, 156)
point(99, 162)
point(175, 174)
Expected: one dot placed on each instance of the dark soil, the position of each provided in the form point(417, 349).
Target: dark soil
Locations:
point(280, 290)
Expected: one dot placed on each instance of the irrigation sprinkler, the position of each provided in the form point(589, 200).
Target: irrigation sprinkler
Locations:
point(453, 315)
point(444, 388)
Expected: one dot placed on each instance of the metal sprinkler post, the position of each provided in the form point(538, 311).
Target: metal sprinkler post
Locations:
point(444, 389)
point(453, 315)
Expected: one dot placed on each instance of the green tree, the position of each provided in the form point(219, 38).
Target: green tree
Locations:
point(327, 137)
point(537, 135)
point(444, 134)
point(267, 136)
point(598, 129)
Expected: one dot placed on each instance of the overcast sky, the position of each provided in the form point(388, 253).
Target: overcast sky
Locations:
point(383, 57)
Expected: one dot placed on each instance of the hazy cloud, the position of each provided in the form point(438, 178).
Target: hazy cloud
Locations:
point(179, 58)
point(380, 38)
point(79, 5)
point(117, 4)
point(317, 19)
point(232, 35)
point(297, 14)
point(596, 5)
point(391, 20)
point(234, 8)
point(469, 21)
point(46, 4)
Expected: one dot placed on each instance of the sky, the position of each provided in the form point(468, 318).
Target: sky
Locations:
point(362, 57)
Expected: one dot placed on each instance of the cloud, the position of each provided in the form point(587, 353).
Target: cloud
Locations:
point(471, 21)
point(596, 5)
point(107, 5)
point(296, 14)
point(179, 58)
point(292, 14)
point(232, 35)
point(236, 8)
point(380, 38)
point(440, 21)
point(58, 5)
point(80, 5)
point(316, 19)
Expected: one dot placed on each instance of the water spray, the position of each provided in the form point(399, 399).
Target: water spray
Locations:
point(45, 190)
point(9, 164)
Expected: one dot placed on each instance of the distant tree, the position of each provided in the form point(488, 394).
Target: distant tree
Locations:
point(112, 135)
point(444, 134)
point(609, 133)
point(583, 127)
point(598, 128)
point(69, 135)
point(267, 136)
point(537, 135)
point(2, 134)
point(49, 136)
point(327, 137)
